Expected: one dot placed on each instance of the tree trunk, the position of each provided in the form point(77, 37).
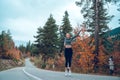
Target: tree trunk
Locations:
point(96, 27)
point(96, 35)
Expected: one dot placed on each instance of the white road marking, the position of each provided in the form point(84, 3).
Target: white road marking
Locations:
point(37, 78)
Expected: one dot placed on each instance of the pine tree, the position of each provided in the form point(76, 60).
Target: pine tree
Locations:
point(6, 43)
point(22, 48)
point(38, 45)
point(50, 37)
point(1, 44)
point(34, 50)
point(96, 18)
point(65, 28)
point(28, 47)
point(89, 15)
point(47, 38)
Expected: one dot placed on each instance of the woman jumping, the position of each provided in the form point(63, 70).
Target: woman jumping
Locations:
point(68, 52)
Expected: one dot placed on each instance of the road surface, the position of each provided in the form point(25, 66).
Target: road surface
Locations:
point(30, 72)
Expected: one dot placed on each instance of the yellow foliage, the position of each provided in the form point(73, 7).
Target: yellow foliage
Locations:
point(14, 54)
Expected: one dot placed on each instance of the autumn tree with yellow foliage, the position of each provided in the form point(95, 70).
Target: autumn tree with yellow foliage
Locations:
point(7, 47)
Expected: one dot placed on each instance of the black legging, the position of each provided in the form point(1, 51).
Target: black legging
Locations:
point(68, 57)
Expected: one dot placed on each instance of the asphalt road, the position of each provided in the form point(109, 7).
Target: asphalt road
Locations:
point(30, 72)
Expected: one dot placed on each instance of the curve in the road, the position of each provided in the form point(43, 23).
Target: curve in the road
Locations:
point(30, 75)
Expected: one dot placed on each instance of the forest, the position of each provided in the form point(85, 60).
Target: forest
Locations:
point(47, 51)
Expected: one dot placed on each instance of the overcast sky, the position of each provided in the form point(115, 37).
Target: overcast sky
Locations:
point(23, 17)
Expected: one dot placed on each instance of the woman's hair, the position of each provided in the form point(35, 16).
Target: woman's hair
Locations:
point(70, 34)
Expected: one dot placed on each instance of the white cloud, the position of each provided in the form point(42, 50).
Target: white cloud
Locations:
point(112, 10)
point(74, 13)
point(15, 3)
point(25, 16)
point(22, 28)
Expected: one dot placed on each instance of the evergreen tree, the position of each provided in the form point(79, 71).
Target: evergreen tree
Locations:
point(6, 43)
point(38, 45)
point(34, 50)
point(1, 43)
point(47, 38)
point(28, 47)
point(88, 12)
point(22, 48)
point(50, 37)
point(65, 28)
point(96, 18)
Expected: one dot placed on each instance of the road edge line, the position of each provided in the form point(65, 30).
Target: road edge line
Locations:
point(37, 78)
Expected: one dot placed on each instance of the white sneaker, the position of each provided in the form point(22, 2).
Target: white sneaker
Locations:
point(69, 73)
point(66, 72)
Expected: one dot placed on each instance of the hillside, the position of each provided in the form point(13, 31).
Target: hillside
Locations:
point(8, 64)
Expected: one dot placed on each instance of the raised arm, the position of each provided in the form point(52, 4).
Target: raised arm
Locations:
point(76, 35)
point(64, 41)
